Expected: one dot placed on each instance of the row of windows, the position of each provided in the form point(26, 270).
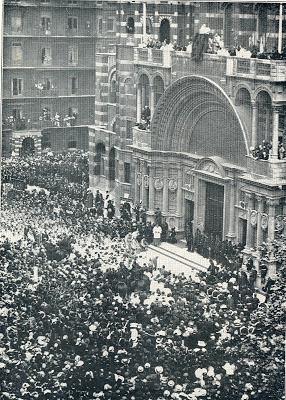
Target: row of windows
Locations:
point(72, 23)
point(46, 55)
point(17, 86)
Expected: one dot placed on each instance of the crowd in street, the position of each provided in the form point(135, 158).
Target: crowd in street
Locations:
point(86, 315)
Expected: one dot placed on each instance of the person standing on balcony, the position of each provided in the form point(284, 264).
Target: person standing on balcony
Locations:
point(189, 48)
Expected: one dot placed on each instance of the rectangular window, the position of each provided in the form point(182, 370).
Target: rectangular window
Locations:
point(72, 2)
point(45, 1)
point(46, 22)
point(126, 172)
point(16, 23)
point(17, 53)
point(72, 23)
point(17, 86)
point(72, 55)
point(46, 56)
point(110, 24)
point(73, 85)
point(100, 26)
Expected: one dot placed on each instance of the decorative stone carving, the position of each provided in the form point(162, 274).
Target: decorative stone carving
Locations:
point(253, 217)
point(146, 181)
point(264, 221)
point(158, 183)
point(210, 167)
point(173, 185)
point(139, 178)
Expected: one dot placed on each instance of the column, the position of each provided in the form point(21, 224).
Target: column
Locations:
point(275, 133)
point(143, 189)
point(179, 191)
point(249, 227)
point(165, 190)
point(271, 218)
point(267, 124)
point(284, 207)
point(136, 187)
point(151, 189)
point(231, 232)
point(139, 103)
point(152, 100)
point(144, 23)
point(254, 124)
point(259, 238)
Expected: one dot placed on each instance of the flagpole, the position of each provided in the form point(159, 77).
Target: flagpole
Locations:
point(280, 28)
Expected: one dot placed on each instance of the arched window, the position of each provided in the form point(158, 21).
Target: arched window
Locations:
point(264, 121)
point(165, 30)
point(130, 28)
point(158, 88)
point(112, 89)
point(128, 86)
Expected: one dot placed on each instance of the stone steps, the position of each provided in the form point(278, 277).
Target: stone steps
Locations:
point(191, 260)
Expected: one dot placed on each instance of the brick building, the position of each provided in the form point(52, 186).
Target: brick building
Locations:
point(49, 67)
point(195, 160)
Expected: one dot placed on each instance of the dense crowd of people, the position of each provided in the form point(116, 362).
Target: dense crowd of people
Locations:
point(84, 315)
point(262, 151)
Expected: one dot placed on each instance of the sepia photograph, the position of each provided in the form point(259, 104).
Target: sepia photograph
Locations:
point(143, 200)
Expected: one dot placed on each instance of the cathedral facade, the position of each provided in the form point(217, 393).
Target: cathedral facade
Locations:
point(194, 159)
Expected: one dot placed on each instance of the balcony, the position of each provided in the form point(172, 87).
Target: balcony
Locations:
point(274, 169)
point(51, 93)
point(213, 65)
point(152, 56)
point(141, 138)
point(254, 68)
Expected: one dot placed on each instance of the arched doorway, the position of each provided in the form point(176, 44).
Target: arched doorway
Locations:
point(145, 91)
point(112, 164)
point(264, 120)
point(158, 88)
point(165, 30)
point(98, 159)
point(28, 147)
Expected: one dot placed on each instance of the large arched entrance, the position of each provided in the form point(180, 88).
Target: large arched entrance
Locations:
point(194, 115)
point(28, 147)
point(98, 159)
point(165, 30)
point(112, 164)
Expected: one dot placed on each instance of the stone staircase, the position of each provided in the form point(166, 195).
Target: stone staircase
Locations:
point(180, 254)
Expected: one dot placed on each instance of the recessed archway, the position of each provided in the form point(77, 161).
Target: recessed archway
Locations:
point(264, 120)
point(195, 115)
point(28, 147)
point(165, 31)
